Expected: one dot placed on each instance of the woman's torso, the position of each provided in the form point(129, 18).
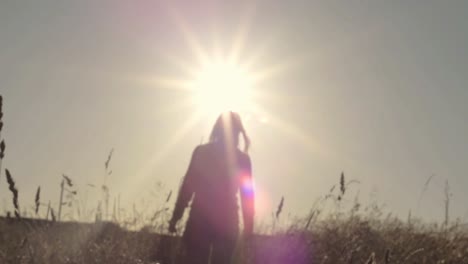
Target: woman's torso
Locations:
point(218, 179)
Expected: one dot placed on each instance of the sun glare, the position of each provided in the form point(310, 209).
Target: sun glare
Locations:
point(221, 86)
point(220, 80)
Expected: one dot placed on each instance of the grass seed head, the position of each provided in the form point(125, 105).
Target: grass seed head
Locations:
point(106, 164)
point(1, 113)
point(280, 207)
point(37, 199)
point(169, 196)
point(68, 180)
point(2, 149)
point(1, 107)
point(342, 184)
point(14, 191)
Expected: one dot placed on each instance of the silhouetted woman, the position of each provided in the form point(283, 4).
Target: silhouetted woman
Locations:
point(217, 171)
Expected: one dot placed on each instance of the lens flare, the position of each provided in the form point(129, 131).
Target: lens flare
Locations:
point(247, 185)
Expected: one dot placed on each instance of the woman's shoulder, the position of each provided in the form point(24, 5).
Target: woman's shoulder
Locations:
point(203, 147)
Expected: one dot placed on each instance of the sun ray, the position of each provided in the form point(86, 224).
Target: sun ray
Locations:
point(216, 49)
point(265, 95)
point(240, 38)
point(180, 133)
point(225, 80)
point(189, 37)
point(295, 133)
point(179, 63)
point(183, 104)
point(160, 153)
point(164, 82)
point(276, 69)
point(260, 52)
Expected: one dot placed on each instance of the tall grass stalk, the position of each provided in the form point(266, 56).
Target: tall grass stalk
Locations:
point(2, 143)
point(66, 181)
point(424, 189)
point(105, 187)
point(2, 151)
point(14, 191)
point(48, 211)
point(447, 203)
point(52, 214)
point(62, 188)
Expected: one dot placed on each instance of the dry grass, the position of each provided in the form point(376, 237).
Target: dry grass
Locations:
point(351, 240)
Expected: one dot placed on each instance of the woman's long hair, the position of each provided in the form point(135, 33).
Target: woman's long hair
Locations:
point(227, 129)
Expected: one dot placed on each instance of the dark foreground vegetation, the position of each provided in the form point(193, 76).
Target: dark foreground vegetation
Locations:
point(351, 240)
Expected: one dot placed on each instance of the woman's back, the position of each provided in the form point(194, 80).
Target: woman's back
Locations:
point(219, 173)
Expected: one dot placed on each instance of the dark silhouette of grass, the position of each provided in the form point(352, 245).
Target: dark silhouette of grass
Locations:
point(350, 240)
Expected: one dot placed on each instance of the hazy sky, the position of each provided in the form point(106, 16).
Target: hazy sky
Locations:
point(376, 89)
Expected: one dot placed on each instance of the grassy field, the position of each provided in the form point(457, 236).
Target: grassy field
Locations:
point(349, 240)
point(340, 236)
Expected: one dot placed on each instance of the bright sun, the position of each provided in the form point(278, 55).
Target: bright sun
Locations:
point(221, 86)
point(221, 79)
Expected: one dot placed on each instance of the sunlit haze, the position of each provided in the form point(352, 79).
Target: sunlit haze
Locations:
point(374, 89)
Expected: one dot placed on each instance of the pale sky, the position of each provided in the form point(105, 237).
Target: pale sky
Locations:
point(376, 89)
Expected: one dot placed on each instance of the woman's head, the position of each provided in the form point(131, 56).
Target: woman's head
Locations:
point(227, 129)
